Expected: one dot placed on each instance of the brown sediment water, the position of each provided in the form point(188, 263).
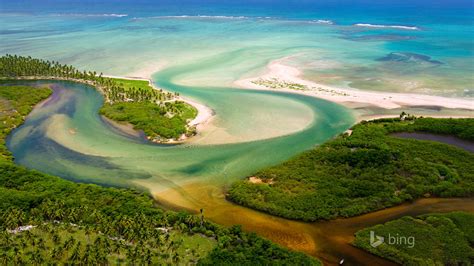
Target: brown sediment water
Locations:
point(329, 241)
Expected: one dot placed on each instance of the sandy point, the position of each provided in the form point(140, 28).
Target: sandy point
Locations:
point(281, 77)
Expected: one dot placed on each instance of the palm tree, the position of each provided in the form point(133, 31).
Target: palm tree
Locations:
point(57, 253)
point(13, 218)
point(88, 233)
point(6, 238)
point(36, 257)
point(56, 238)
point(4, 258)
point(18, 258)
point(148, 259)
point(23, 243)
point(176, 257)
point(41, 244)
point(68, 244)
point(202, 216)
point(76, 254)
point(86, 258)
point(28, 235)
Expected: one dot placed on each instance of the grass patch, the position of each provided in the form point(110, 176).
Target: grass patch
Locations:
point(129, 84)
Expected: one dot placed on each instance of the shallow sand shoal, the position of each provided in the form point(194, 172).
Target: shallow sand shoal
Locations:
point(283, 76)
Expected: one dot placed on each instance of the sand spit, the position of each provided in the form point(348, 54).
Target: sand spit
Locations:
point(281, 77)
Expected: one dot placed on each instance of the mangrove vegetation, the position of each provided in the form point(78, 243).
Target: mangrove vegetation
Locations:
point(431, 239)
point(364, 170)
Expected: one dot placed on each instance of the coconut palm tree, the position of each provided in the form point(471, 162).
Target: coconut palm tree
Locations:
point(36, 257)
point(76, 254)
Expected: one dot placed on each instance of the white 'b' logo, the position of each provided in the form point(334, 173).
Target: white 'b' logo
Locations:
point(375, 240)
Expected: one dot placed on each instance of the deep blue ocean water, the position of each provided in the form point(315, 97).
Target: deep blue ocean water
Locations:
point(344, 11)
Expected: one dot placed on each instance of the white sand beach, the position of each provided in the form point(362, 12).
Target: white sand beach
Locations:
point(281, 77)
point(204, 115)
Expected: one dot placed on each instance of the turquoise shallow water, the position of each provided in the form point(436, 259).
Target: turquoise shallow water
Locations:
point(65, 136)
point(435, 54)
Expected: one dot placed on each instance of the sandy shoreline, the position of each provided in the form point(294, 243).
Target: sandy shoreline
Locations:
point(279, 77)
point(205, 113)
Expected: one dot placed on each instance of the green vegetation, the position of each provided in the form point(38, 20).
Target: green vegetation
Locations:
point(365, 171)
point(159, 122)
point(69, 243)
point(48, 220)
point(160, 119)
point(164, 117)
point(15, 103)
point(438, 239)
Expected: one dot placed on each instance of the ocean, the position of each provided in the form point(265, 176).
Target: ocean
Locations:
point(421, 47)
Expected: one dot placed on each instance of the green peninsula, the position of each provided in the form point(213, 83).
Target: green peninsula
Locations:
point(364, 170)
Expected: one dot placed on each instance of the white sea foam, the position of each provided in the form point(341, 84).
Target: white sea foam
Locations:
point(197, 16)
point(214, 17)
point(89, 15)
point(366, 25)
point(323, 21)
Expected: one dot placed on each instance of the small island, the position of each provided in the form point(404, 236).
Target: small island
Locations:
point(162, 116)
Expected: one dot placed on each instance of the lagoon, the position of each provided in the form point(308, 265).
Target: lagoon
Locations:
point(200, 51)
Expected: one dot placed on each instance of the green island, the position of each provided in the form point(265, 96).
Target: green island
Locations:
point(363, 170)
point(161, 115)
point(436, 239)
point(47, 220)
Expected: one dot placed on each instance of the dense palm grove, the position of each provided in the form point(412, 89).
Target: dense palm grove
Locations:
point(154, 119)
point(159, 114)
point(438, 239)
point(365, 171)
point(14, 66)
point(47, 220)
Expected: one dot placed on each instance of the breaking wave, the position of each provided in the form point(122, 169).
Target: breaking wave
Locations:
point(366, 25)
point(90, 15)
